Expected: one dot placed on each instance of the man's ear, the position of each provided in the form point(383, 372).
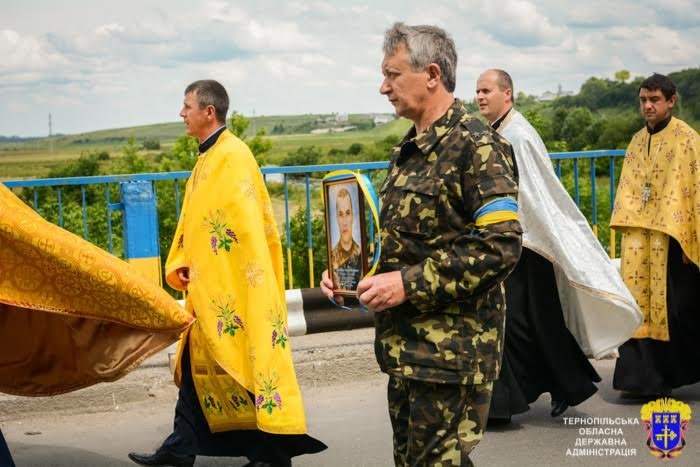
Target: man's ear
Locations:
point(672, 101)
point(434, 75)
point(211, 112)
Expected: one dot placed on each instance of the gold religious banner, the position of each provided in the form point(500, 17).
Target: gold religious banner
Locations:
point(71, 314)
point(345, 233)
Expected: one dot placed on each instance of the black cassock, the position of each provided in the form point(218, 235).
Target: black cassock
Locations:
point(651, 367)
point(191, 434)
point(540, 354)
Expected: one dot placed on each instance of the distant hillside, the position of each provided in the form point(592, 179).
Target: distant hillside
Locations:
point(285, 144)
point(37, 157)
point(15, 139)
point(167, 133)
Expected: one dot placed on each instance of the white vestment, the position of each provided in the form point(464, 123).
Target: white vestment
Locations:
point(598, 308)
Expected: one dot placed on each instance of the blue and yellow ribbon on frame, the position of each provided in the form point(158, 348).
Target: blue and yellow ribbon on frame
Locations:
point(372, 200)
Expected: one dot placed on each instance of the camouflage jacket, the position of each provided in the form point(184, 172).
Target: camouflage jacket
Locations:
point(450, 329)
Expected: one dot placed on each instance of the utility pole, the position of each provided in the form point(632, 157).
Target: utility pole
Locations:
point(50, 134)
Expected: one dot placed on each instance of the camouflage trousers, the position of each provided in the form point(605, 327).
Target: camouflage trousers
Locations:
point(436, 424)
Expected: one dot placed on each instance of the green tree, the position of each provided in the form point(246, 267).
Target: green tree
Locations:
point(573, 130)
point(183, 156)
point(259, 144)
point(593, 93)
point(688, 83)
point(298, 227)
point(238, 124)
point(525, 102)
point(381, 150)
point(618, 130)
point(304, 155)
point(152, 144)
point(86, 165)
point(131, 161)
point(355, 148)
point(622, 75)
point(557, 121)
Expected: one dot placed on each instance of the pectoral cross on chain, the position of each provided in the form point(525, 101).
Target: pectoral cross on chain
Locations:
point(646, 193)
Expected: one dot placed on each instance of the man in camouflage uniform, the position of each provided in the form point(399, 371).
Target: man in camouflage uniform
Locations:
point(450, 236)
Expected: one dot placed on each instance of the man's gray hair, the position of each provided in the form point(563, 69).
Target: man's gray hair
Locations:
point(425, 45)
point(210, 92)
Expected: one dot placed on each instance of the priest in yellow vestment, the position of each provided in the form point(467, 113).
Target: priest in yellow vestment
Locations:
point(657, 209)
point(238, 390)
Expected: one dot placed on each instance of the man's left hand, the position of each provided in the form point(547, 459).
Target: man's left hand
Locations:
point(382, 291)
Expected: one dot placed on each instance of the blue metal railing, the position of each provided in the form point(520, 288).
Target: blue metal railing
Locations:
point(286, 172)
point(593, 156)
point(83, 182)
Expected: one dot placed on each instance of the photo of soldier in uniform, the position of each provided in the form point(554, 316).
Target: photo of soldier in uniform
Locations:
point(345, 229)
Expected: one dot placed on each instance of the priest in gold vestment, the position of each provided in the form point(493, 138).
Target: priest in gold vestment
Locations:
point(657, 209)
point(238, 390)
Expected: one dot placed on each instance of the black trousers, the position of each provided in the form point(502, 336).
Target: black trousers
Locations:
point(5, 457)
point(540, 354)
point(651, 367)
point(191, 434)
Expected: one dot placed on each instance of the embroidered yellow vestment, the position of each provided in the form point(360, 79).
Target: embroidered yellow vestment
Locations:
point(658, 197)
point(71, 314)
point(228, 239)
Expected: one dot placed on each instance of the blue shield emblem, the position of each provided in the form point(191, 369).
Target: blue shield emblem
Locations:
point(666, 429)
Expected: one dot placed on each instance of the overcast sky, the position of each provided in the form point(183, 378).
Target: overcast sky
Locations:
point(97, 65)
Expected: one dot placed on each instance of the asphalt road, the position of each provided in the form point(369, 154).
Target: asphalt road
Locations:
point(350, 417)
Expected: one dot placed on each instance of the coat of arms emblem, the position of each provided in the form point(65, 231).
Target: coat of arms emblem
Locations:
point(665, 421)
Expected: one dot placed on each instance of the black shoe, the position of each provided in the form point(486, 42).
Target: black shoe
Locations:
point(163, 458)
point(558, 408)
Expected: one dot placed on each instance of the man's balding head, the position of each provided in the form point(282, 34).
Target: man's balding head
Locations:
point(494, 93)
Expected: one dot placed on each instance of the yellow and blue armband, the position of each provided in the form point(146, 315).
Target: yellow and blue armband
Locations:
point(498, 210)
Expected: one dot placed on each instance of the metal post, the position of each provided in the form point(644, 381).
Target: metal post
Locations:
point(140, 228)
point(85, 222)
point(289, 234)
point(576, 191)
point(309, 232)
point(594, 198)
point(613, 247)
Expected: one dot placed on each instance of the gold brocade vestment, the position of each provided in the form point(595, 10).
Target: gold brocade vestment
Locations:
point(658, 197)
point(228, 239)
point(71, 314)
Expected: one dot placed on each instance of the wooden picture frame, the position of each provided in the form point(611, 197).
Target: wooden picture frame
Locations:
point(346, 236)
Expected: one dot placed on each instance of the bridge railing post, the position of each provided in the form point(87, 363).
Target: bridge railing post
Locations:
point(140, 228)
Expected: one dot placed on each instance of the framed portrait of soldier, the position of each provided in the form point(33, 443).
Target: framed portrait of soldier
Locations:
point(345, 234)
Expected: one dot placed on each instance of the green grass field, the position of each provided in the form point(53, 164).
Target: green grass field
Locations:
point(284, 144)
point(35, 158)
